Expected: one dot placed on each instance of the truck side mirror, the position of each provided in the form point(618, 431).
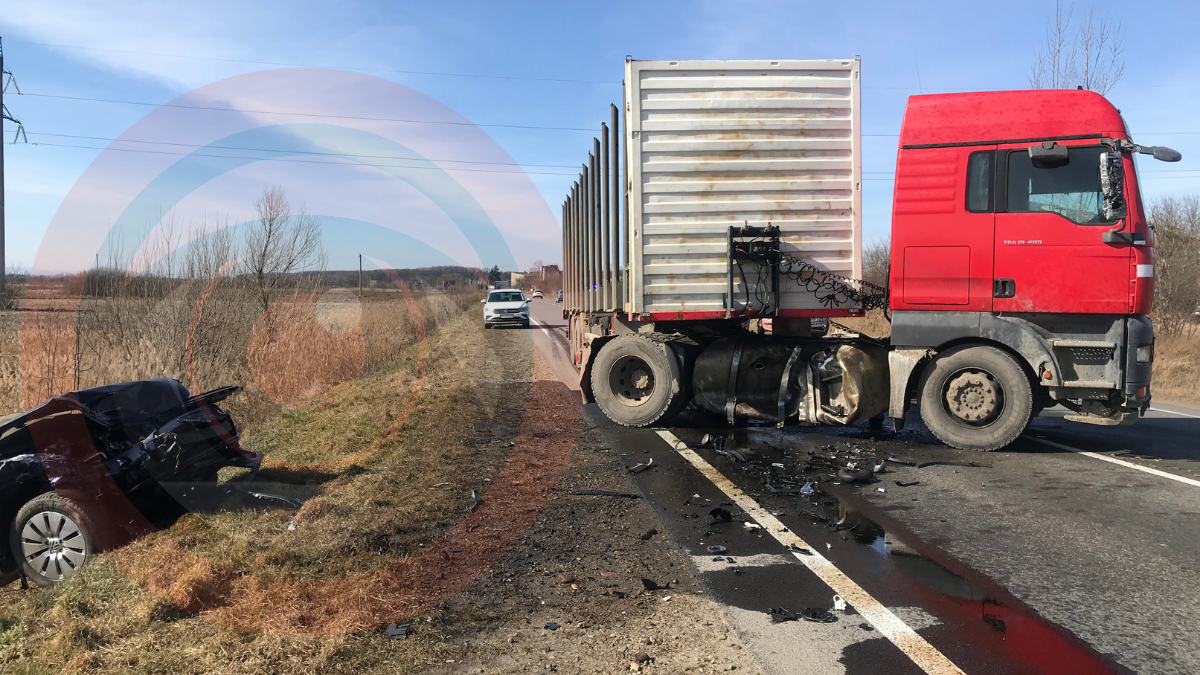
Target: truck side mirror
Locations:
point(1165, 154)
point(1112, 184)
point(1049, 155)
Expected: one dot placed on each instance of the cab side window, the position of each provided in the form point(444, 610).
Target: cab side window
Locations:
point(980, 181)
point(1071, 190)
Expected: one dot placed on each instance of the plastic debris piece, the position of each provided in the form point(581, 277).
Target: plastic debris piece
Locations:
point(807, 489)
point(706, 440)
point(800, 550)
point(399, 631)
point(638, 468)
point(909, 483)
point(650, 585)
point(717, 549)
point(719, 515)
point(777, 464)
point(899, 460)
point(851, 475)
point(475, 503)
point(779, 615)
point(649, 534)
point(604, 493)
point(866, 626)
point(696, 496)
point(291, 526)
point(818, 615)
point(618, 595)
point(552, 626)
point(880, 490)
point(828, 547)
point(879, 468)
point(446, 621)
point(752, 526)
point(839, 604)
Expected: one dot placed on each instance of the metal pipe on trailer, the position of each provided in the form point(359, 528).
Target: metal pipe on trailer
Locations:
point(585, 201)
point(606, 226)
point(614, 243)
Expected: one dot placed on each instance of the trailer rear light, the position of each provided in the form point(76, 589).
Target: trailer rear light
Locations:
point(1141, 392)
point(1145, 354)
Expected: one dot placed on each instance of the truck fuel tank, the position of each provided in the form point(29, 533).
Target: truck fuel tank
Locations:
point(811, 381)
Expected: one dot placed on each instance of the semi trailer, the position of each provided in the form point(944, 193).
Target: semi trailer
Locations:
point(709, 255)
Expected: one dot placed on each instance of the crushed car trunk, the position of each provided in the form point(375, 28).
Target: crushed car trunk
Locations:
point(110, 449)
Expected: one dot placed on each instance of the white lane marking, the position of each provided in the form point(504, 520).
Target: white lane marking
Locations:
point(888, 624)
point(1114, 460)
point(1172, 412)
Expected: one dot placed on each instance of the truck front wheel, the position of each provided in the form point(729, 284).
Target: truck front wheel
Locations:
point(637, 381)
point(976, 398)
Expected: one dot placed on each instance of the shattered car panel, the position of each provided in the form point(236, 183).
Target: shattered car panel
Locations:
point(108, 449)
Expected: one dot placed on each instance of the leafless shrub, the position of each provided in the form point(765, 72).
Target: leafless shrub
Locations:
point(877, 261)
point(1176, 223)
point(1091, 58)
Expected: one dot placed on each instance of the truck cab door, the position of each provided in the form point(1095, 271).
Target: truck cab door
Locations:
point(943, 229)
point(1050, 256)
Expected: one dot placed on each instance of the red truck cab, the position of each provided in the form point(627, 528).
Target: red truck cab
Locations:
point(1017, 249)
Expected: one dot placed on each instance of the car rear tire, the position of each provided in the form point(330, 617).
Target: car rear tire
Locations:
point(976, 398)
point(638, 382)
point(49, 539)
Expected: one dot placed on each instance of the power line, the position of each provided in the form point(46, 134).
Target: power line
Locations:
point(300, 152)
point(303, 114)
point(299, 160)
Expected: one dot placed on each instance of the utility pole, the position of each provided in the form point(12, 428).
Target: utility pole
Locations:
point(360, 275)
point(4, 115)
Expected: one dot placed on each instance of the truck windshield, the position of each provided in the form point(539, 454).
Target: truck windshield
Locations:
point(506, 296)
point(1072, 190)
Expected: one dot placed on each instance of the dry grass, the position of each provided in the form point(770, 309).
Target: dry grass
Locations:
point(1177, 368)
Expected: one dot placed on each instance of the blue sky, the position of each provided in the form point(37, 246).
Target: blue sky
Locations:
point(547, 65)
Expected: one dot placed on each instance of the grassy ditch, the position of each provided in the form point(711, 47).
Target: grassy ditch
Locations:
point(361, 516)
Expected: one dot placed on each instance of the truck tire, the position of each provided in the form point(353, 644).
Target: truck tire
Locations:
point(976, 398)
point(49, 539)
point(637, 381)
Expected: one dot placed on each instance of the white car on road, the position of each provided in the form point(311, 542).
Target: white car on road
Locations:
point(505, 307)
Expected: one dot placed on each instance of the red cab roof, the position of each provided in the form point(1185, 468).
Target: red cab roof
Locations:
point(999, 116)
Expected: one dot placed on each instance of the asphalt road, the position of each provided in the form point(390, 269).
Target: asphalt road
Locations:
point(1076, 550)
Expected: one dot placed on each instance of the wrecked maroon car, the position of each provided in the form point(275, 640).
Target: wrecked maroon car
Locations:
point(86, 470)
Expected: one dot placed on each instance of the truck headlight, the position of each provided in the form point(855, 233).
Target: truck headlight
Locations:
point(1145, 353)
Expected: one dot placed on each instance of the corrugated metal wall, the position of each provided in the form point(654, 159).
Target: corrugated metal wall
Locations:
point(715, 143)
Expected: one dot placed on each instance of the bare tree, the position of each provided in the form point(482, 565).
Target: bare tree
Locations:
point(877, 259)
point(1090, 57)
point(1176, 223)
point(278, 245)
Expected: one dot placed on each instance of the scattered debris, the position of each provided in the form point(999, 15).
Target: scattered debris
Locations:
point(717, 549)
point(909, 483)
point(818, 615)
point(752, 526)
point(552, 626)
point(807, 489)
point(778, 465)
point(706, 440)
point(618, 595)
point(603, 493)
point(649, 534)
point(640, 660)
point(880, 490)
point(291, 526)
point(475, 503)
point(898, 460)
point(800, 550)
point(566, 578)
point(638, 468)
point(839, 604)
point(866, 626)
point(446, 621)
point(399, 631)
point(879, 468)
point(650, 585)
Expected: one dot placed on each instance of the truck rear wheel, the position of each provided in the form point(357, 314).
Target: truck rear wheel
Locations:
point(976, 398)
point(637, 381)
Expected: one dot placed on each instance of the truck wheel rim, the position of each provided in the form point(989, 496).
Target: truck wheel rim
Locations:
point(974, 397)
point(53, 545)
point(631, 380)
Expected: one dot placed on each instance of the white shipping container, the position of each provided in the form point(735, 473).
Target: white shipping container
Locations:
point(718, 143)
